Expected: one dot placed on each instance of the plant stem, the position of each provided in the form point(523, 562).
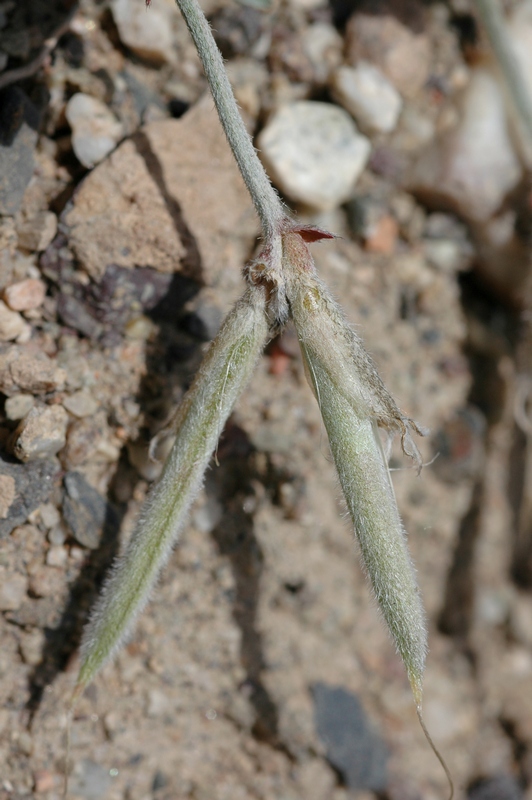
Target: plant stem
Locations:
point(501, 44)
point(267, 203)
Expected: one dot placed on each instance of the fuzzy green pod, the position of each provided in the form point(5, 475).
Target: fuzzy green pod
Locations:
point(222, 376)
point(353, 403)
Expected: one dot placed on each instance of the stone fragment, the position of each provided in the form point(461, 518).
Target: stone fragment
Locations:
point(352, 746)
point(25, 295)
point(500, 787)
point(471, 168)
point(57, 556)
point(7, 494)
point(85, 511)
point(22, 369)
point(18, 406)
point(34, 483)
point(36, 233)
point(89, 780)
point(236, 29)
point(50, 516)
point(148, 35)
point(323, 46)
point(314, 153)
point(12, 325)
point(44, 581)
point(41, 434)
point(142, 207)
point(31, 646)
point(19, 122)
point(13, 590)
point(81, 404)
point(368, 96)
point(95, 129)
point(403, 56)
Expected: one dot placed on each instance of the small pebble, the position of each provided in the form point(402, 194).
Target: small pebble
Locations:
point(17, 406)
point(81, 404)
point(147, 35)
point(46, 781)
point(25, 295)
point(323, 46)
point(12, 325)
point(44, 581)
point(50, 516)
point(382, 237)
point(402, 55)
point(31, 645)
point(13, 590)
point(57, 556)
point(7, 494)
point(472, 168)
point(34, 373)
point(41, 434)
point(314, 153)
point(37, 233)
point(368, 96)
point(95, 129)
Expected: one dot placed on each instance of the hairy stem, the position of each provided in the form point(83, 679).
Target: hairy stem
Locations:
point(512, 74)
point(267, 203)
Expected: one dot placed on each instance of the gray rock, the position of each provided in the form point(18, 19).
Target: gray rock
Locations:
point(85, 511)
point(81, 404)
point(33, 484)
point(89, 780)
point(95, 129)
point(41, 434)
point(19, 122)
point(314, 153)
point(501, 787)
point(18, 406)
point(368, 96)
point(353, 747)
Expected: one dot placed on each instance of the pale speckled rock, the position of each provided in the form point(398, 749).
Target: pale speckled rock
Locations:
point(95, 129)
point(12, 325)
point(18, 406)
point(403, 56)
point(25, 370)
point(36, 233)
point(13, 589)
point(42, 433)
point(126, 210)
point(7, 494)
point(471, 168)
point(368, 95)
point(25, 295)
point(81, 404)
point(314, 153)
point(323, 46)
point(148, 33)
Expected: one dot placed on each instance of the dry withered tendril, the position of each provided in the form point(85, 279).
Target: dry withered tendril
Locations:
point(282, 284)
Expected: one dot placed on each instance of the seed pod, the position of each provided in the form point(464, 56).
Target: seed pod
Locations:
point(223, 374)
point(353, 403)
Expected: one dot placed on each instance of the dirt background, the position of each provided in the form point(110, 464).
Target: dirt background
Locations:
point(261, 668)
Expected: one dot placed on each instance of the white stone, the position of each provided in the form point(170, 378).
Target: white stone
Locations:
point(471, 168)
point(95, 129)
point(368, 95)
point(18, 406)
point(147, 32)
point(12, 325)
point(314, 153)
